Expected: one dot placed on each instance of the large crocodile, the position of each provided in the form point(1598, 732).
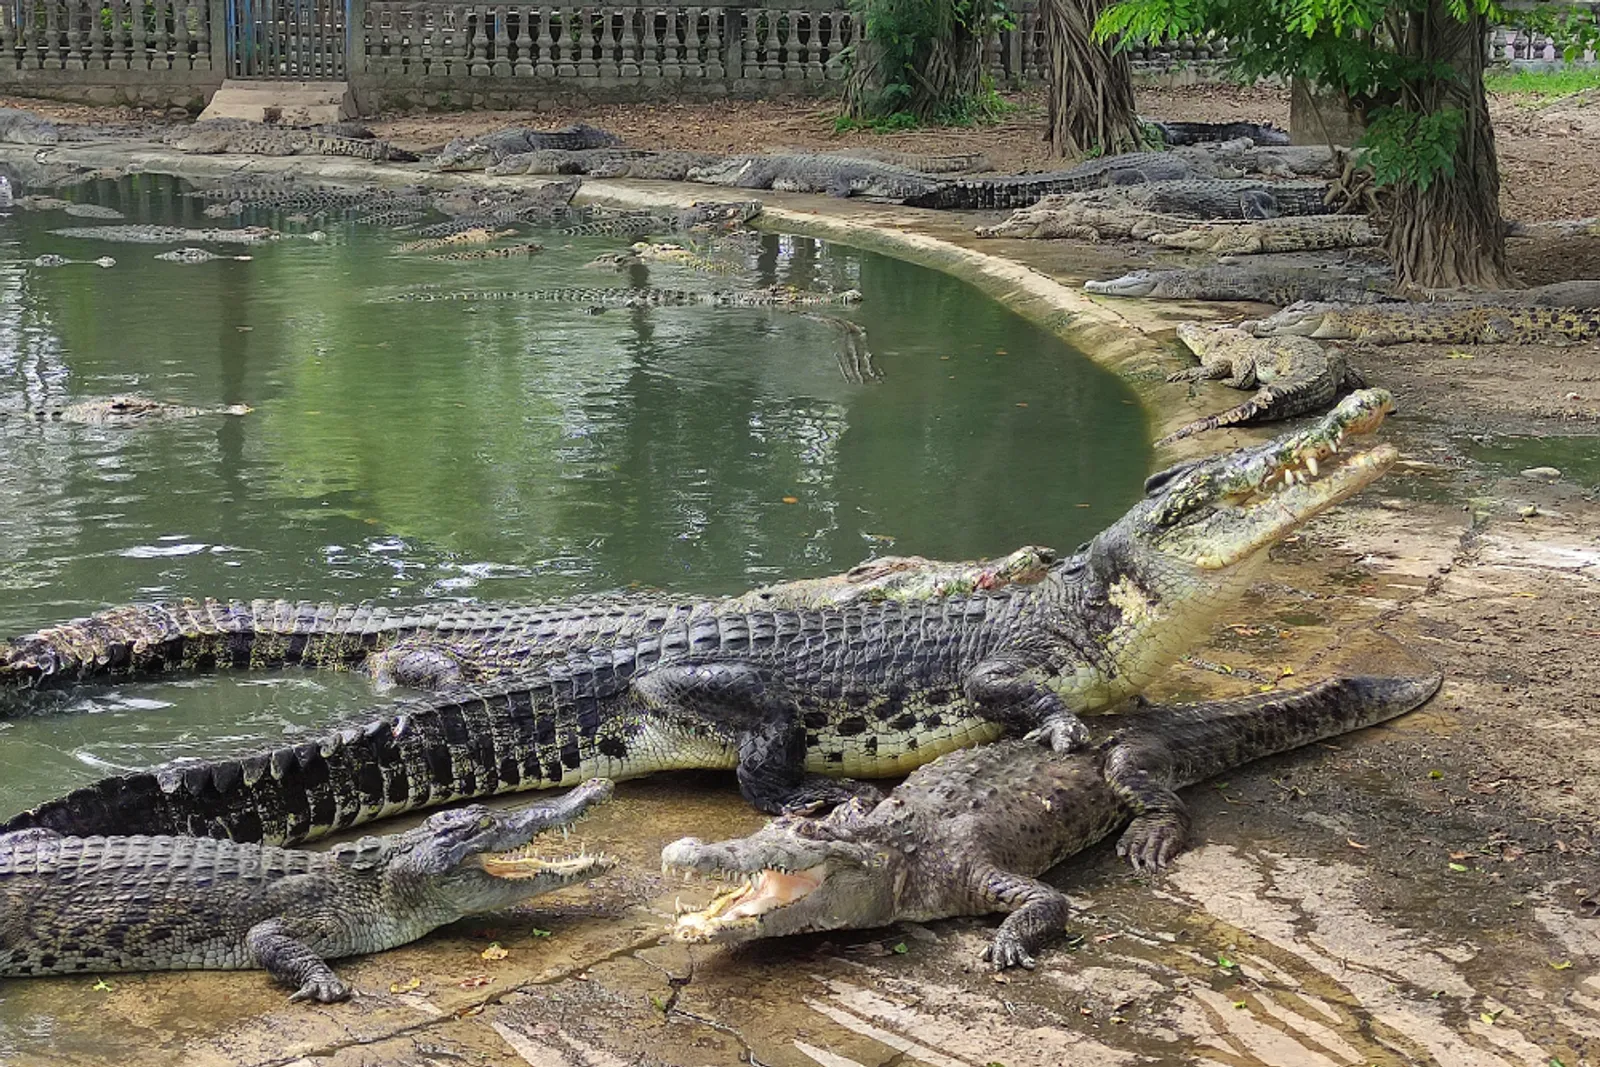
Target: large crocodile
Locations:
point(606, 163)
point(1140, 210)
point(74, 905)
point(472, 235)
point(515, 251)
point(812, 173)
point(1579, 293)
point(156, 638)
point(667, 252)
point(163, 235)
point(217, 136)
point(952, 163)
point(1049, 220)
point(1279, 161)
point(24, 127)
point(1263, 285)
point(122, 410)
point(474, 153)
point(1290, 375)
point(194, 255)
point(1442, 323)
point(970, 833)
point(771, 296)
point(1291, 234)
point(1187, 133)
point(790, 699)
point(1014, 191)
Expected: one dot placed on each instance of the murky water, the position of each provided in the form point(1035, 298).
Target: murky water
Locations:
point(506, 450)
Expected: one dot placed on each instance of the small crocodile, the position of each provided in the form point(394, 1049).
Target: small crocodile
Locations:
point(195, 255)
point(216, 136)
point(147, 639)
point(988, 194)
point(969, 833)
point(617, 261)
point(793, 699)
point(855, 359)
point(74, 905)
point(772, 296)
point(715, 216)
point(516, 251)
point(123, 410)
point(1263, 285)
point(546, 203)
point(52, 260)
point(665, 252)
point(475, 235)
point(1292, 234)
point(606, 163)
point(1291, 375)
point(811, 173)
point(1187, 133)
point(163, 235)
point(1445, 323)
point(93, 211)
point(474, 153)
point(24, 127)
point(1051, 219)
point(1212, 198)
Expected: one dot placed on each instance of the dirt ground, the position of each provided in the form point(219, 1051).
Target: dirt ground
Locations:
point(1427, 892)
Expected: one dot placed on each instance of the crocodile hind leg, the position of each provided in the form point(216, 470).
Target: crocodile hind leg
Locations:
point(288, 957)
point(736, 700)
point(1038, 913)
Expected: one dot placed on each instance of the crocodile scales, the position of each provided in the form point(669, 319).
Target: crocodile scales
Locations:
point(1441, 323)
point(791, 699)
point(1281, 286)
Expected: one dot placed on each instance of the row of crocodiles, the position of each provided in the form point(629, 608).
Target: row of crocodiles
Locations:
point(972, 677)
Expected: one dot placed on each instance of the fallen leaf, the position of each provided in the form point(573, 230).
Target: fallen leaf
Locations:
point(1458, 855)
point(1459, 867)
point(475, 982)
point(471, 1009)
point(101, 986)
point(1460, 355)
point(1001, 979)
point(1436, 775)
point(901, 949)
point(1224, 962)
point(406, 986)
point(1489, 1017)
point(536, 932)
point(1563, 965)
point(1022, 404)
point(1353, 843)
point(494, 952)
point(1239, 1004)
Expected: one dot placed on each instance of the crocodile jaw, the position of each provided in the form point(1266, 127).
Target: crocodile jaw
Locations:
point(1139, 283)
point(735, 914)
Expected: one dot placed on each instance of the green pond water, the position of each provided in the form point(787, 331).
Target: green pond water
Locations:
point(510, 451)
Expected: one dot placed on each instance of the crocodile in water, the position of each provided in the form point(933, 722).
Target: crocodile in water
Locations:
point(1443, 323)
point(93, 211)
point(53, 260)
point(772, 296)
point(970, 833)
point(1291, 234)
point(122, 411)
point(793, 698)
point(516, 251)
point(1263, 285)
point(475, 153)
point(217, 136)
point(666, 252)
point(194, 255)
point(1182, 133)
point(1291, 375)
point(474, 235)
point(162, 235)
point(74, 905)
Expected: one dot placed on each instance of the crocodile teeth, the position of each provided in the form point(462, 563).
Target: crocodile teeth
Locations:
point(1311, 465)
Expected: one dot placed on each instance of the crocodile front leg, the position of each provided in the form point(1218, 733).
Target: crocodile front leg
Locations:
point(1038, 913)
point(291, 960)
point(1003, 690)
point(1141, 775)
point(737, 700)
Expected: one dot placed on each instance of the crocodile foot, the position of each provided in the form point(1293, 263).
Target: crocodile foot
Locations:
point(1152, 841)
point(1007, 950)
point(817, 796)
point(325, 989)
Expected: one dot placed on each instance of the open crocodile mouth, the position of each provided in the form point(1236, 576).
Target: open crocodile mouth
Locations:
point(529, 861)
point(743, 905)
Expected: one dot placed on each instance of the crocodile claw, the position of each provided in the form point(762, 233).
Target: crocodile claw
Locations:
point(324, 990)
point(1006, 952)
point(1149, 845)
point(1062, 735)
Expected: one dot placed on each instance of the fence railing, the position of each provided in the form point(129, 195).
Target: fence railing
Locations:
point(105, 35)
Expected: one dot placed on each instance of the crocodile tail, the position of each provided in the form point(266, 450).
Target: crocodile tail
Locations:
point(1204, 740)
point(427, 754)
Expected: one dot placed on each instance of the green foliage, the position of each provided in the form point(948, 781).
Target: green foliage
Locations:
point(907, 35)
point(1541, 85)
point(975, 109)
point(1571, 28)
point(1411, 148)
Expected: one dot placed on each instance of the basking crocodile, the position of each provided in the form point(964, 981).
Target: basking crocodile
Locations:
point(53, 260)
point(474, 153)
point(811, 173)
point(1279, 161)
point(74, 905)
point(792, 698)
point(24, 127)
point(1212, 198)
point(1014, 191)
point(1263, 285)
point(1291, 375)
point(1580, 293)
point(1138, 211)
point(969, 833)
point(122, 410)
point(194, 255)
point(1292, 234)
point(1444, 323)
point(163, 235)
point(516, 251)
point(154, 638)
point(93, 211)
point(606, 163)
point(1186, 133)
point(953, 163)
point(216, 136)
point(1048, 220)
point(474, 235)
point(772, 296)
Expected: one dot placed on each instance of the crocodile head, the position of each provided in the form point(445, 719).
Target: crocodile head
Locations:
point(464, 153)
point(473, 859)
point(1304, 318)
point(723, 171)
point(1150, 585)
point(1136, 283)
point(793, 876)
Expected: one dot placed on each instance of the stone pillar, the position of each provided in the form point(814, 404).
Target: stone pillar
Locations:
point(1318, 115)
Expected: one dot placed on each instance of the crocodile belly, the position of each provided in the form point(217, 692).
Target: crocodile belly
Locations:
point(861, 744)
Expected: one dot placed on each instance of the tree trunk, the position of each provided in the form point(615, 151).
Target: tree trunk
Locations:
point(1450, 234)
point(1091, 86)
point(943, 69)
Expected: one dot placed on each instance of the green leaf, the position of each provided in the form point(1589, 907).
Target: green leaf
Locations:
point(901, 949)
point(1459, 867)
point(1224, 962)
point(1562, 966)
point(101, 986)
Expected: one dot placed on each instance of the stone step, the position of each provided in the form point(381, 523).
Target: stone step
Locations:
point(292, 103)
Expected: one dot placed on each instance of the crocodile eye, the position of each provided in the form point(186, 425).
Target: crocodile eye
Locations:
point(1157, 481)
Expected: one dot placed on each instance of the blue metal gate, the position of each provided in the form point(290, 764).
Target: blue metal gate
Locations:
point(300, 39)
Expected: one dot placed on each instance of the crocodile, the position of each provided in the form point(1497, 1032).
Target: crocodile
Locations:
point(123, 410)
point(1279, 161)
point(474, 153)
point(1445, 323)
point(90, 905)
point(24, 127)
point(53, 260)
point(715, 216)
point(194, 255)
point(854, 358)
point(1048, 220)
point(1188, 133)
point(1290, 375)
point(1580, 293)
point(217, 136)
point(312, 198)
point(1210, 198)
point(969, 833)
point(772, 296)
point(666, 252)
point(1264, 285)
point(811, 173)
point(519, 250)
point(1555, 228)
point(1021, 190)
point(475, 235)
point(143, 639)
point(617, 261)
point(546, 203)
point(952, 163)
point(37, 202)
point(606, 163)
point(93, 211)
point(1292, 234)
point(163, 235)
point(792, 700)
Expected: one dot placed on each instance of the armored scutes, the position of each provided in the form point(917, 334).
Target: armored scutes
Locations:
point(216, 136)
point(1443, 323)
point(1581, 293)
point(1186, 133)
point(969, 833)
point(1295, 234)
point(1278, 161)
point(123, 411)
point(473, 235)
point(794, 699)
point(773, 296)
point(989, 194)
point(1281, 286)
point(954, 163)
point(715, 216)
point(93, 211)
point(163, 235)
point(666, 252)
point(73, 905)
point(1291, 375)
point(474, 153)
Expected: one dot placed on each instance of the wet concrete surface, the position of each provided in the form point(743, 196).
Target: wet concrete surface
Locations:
point(1426, 892)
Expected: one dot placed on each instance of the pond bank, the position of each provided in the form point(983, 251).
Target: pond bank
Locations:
point(1422, 893)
